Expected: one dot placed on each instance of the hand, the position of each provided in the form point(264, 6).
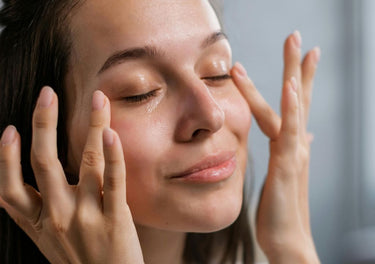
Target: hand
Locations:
point(87, 223)
point(283, 226)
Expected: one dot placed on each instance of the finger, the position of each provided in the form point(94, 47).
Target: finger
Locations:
point(290, 116)
point(48, 172)
point(292, 64)
point(92, 164)
point(13, 192)
point(268, 121)
point(114, 197)
point(309, 66)
point(292, 57)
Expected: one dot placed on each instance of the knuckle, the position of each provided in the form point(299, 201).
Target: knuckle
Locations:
point(279, 169)
point(92, 158)
point(57, 226)
point(41, 162)
point(7, 157)
point(96, 123)
point(113, 161)
point(293, 131)
point(85, 218)
point(96, 120)
point(40, 121)
point(111, 183)
point(4, 161)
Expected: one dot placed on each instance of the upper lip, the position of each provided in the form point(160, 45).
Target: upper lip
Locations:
point(210, 161)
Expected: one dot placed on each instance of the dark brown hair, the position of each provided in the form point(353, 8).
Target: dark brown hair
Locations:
point(34, 52)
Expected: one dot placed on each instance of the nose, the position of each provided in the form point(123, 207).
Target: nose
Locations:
point(200, 115)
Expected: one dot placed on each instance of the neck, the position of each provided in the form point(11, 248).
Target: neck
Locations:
point(159, 246)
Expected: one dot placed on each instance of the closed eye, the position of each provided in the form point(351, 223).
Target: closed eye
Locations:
point(218, 77)
point(140, 97)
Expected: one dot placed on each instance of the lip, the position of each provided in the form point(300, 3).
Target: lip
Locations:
point(211, 169)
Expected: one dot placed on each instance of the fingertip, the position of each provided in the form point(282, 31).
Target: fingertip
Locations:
point(293, 43)
point(241, 78)
point(101, 112)
point(108, 137)
point(112, 145)
point(98, 100)
point(297, 38)
point(240, 70)
point(317, 54)
point(45, 114)
point(9, 135)
point(45, 97)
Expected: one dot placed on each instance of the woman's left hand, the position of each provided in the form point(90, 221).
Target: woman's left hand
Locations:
point(283, 226)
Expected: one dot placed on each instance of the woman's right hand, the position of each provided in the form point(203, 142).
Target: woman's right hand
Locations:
point(87, 223)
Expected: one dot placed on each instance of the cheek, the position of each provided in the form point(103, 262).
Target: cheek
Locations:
point(142, 139)
point(238, 122)
point(145, 141)
point(237, 115)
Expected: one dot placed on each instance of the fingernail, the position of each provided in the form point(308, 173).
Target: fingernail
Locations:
point(108, 137)
point(45, 97)
point(293, 82)
point(297, 38)
point(8, 136)
point(317, 53)
point(98, 100)
point(240, 69)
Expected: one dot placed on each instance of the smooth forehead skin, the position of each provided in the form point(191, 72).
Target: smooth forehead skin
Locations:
point(114, 25)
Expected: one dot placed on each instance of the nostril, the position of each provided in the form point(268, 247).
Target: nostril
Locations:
point(196, 133)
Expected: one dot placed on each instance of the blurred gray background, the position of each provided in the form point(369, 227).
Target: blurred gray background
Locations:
point(342, 188)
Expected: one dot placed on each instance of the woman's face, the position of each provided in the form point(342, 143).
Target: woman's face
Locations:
point(183, 124)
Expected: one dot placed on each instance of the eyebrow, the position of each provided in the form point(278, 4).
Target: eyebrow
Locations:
point(151, 51)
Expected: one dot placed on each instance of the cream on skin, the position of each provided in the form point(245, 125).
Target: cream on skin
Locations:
point(173, 107)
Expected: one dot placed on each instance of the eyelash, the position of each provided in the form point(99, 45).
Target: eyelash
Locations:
point(143, 97)
point(140, 97)
point(218, 78)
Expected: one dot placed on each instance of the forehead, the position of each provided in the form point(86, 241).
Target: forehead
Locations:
point(101, 27)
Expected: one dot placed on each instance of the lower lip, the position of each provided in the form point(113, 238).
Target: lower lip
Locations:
point(218, 173)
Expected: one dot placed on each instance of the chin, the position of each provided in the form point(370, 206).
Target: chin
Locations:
point(216, 218)
point(207, 214)
point(220, 209)
point(199, 216)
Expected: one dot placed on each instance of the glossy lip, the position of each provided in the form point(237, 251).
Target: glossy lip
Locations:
point(211, 169)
